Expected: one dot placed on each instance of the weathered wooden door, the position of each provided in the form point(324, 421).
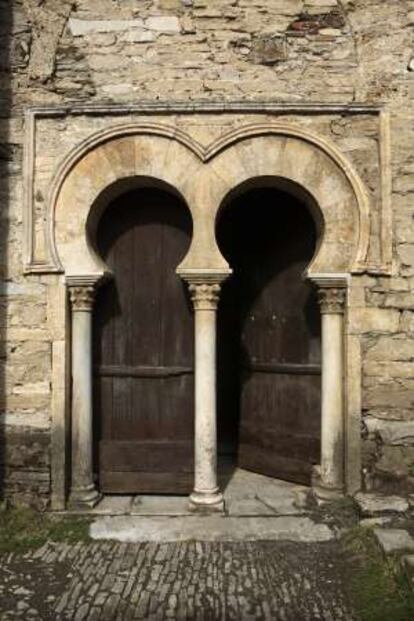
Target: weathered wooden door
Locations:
point(271, 319)
point(143, 348)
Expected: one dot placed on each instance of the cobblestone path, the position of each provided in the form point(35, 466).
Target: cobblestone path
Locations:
point(108, 581)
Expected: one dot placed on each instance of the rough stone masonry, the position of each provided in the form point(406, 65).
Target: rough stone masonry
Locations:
point(58, 52)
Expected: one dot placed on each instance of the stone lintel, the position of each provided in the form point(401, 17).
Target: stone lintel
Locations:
point(204, 276)
point(86, 280)
point(332, 281)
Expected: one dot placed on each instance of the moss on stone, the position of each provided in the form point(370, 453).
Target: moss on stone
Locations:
point(377, 588)
point(22, 528)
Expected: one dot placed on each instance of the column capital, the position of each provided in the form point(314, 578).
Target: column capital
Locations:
point(82, 289)
point(332, 300)
point(205, 296)
point(82, 297)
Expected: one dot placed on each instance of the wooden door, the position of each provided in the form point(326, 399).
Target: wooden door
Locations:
point(143, 343)
point(272, 322)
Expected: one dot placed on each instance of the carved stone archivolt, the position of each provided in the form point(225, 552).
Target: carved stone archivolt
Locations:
point(332, 300)
point(205, 296)
point(82, 298)
point(159, 151)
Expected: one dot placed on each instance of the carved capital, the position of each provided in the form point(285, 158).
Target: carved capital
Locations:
point(82, 298)
point(205, 297)
point(332, 299)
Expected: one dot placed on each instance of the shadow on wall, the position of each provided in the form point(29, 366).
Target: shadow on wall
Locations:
point(8, 166)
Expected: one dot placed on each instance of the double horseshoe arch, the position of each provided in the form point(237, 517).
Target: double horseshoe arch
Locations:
point(203, 177)
point(154, 153)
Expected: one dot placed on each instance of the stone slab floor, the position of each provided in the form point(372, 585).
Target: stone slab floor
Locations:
point(245, 493)
point(209, 581)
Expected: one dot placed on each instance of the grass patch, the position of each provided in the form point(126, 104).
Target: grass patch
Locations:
point(377, 588)
point(341, 513)
point(23, 529)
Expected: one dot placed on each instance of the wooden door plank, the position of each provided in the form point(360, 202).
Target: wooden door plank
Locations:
point(144, 344)
point(118, 370)
point(112, 482)
point(154, 456)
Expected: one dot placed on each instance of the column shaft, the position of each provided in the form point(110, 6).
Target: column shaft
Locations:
point(83, 492)
point(206, 495)
point(332, 401)
point(331, 472)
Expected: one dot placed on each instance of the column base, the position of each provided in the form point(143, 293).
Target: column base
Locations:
point(324, 492)
point(84, 498)
point(206, 502)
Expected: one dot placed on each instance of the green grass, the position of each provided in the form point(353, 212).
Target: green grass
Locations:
point(377, 588)
point(23, 529)
point(342, 513)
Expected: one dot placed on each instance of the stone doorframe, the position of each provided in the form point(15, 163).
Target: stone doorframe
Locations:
point(277, 153)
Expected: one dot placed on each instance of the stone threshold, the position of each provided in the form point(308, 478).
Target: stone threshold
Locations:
point(163, 529)
point(246, 494)
point(178, 506)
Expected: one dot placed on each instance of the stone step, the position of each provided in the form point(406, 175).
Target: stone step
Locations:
point(394, 540)
point(371, 504)
point(209, 528)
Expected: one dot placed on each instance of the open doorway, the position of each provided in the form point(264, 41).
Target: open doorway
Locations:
point(269, 354)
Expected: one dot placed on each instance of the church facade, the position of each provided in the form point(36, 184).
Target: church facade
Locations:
point(207, 247)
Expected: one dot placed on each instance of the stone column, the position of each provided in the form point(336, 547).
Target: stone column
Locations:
point(206, 495)
point(330, 483)
point(83, 493)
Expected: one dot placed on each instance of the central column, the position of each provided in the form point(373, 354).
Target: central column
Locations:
point(206, 495)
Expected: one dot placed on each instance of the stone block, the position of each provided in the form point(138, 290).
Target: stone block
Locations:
point(279, 7)
point(388, 394)
point(163, 23)
point(25, 448)
point(32, 388)
point(207, 13)
point(26, 419)
point(391, 432)
point(394, 540)
point(171, 5)
point(81, 27)
point(388, 348)
point(407, 321)
point(319, 3)
point(268, 50)
point(406, 254)
point(388, 370)
point(101, 39)
point(400, 300)
point(138, 36)
point(396, 461)
point(371, 505)
point(330, 32)
point(373, 320)
point(187, 25)
point(22, 289)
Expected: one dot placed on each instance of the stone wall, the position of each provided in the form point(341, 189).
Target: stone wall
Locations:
point(66, 51)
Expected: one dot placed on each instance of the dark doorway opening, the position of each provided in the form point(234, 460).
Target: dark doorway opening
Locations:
point(269, 412)
point(143, 348)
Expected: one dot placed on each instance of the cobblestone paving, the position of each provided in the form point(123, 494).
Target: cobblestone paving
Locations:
point(108, 581)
